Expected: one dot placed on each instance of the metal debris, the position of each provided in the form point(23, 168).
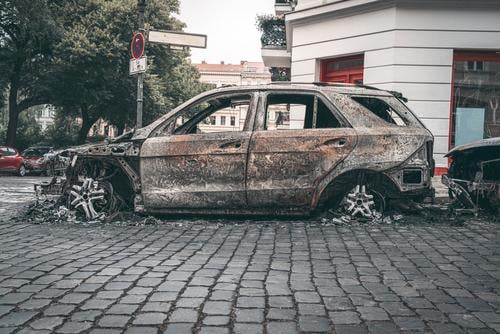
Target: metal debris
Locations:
point(474, 176)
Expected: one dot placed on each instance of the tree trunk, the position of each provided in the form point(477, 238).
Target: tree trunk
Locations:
point(13, 117)
point(120, 127)
point(87, 123)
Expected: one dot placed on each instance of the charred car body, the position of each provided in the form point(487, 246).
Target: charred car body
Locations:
point(474, 174)
point(280, 149)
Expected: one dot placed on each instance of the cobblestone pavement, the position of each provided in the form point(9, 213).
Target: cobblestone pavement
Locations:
point(249, 277)
point(16, 192)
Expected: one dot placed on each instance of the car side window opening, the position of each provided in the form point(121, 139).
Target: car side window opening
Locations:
point(210, 116)
point(381, 109)
point(298, 111)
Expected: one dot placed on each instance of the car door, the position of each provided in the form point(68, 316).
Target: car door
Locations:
point(8, 160)
point(4, 161)
point(299, 138)
point(200, 163)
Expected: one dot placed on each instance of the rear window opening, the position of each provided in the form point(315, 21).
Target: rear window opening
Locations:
point(381, 109)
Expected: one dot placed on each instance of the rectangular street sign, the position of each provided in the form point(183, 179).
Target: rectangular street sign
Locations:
point(178, 39)
point(138, 65)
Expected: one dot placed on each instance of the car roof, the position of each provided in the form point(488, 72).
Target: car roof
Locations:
point(324, 87)
point(338, 88)
point(483, 143)
point(39, 148)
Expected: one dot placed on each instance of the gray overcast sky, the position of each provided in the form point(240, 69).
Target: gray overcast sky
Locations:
point(229, 25)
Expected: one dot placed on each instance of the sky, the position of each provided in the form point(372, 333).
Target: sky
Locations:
point(229, 26)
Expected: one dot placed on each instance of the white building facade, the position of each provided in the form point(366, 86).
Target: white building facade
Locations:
point(443, 55)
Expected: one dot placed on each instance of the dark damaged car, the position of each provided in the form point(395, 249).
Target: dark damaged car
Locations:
point(274, 149)
point(474, 174)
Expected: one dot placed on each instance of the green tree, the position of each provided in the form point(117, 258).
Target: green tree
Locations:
point(29, 132)
point(92, 59)
point(75, 54)
point(64, 131)
point(27, 35)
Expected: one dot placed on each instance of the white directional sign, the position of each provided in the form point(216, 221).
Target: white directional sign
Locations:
point(138, 65)
point(178, 39)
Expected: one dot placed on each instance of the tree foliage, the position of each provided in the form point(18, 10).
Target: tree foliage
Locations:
point(27, 35)
point(87, 57)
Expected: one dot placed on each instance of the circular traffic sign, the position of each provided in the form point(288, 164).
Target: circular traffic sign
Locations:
point(137, 45)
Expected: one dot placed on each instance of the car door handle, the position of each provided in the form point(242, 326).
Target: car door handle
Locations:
point(337, 142)
point(231, 144)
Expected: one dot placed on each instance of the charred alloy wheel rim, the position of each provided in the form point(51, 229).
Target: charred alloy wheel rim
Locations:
point(362, 203)
point(91, 197)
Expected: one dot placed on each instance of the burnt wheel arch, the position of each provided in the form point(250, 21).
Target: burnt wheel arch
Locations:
point(108, 170)
point(332, 195)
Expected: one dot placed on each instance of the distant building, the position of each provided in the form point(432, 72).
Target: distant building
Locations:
point(102, 128)
point(45, 116)
point(245, 73)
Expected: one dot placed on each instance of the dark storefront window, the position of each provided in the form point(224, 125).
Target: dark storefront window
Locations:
point(476, 97)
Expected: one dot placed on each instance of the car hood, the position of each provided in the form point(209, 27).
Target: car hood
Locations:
point(484, 143)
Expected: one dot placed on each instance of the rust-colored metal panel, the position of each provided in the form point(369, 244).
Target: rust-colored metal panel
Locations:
point(195, 170)
point(285, 166)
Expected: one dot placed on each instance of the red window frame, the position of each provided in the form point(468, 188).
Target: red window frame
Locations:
point(350, 75)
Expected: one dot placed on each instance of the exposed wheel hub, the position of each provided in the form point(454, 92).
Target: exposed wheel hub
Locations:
point(359, 203)
point(88, 197)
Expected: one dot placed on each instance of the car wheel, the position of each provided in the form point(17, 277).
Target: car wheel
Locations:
point(363, 202)
point(93, 198)
point(22, 171)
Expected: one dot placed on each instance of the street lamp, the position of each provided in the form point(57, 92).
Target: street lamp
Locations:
point(141, 6)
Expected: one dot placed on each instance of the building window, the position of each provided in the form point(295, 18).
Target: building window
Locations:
point(223, 120)
point(343, 70)
point(233, 121)
point(212, 120)
point(475, 111)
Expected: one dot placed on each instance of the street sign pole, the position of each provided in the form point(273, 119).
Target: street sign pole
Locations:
point(138, 63)
point(141, 5)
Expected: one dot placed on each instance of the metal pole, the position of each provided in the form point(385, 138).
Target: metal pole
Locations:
point(141, 5)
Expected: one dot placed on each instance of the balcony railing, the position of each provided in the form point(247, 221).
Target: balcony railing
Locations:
point(273, 31)
point(280, 73)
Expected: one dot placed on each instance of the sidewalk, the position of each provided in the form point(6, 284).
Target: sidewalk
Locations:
point(441, 189)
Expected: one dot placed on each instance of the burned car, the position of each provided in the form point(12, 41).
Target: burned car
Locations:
point(273, 149)
point(474, 174)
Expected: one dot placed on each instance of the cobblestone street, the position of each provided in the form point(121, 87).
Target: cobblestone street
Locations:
point(249, 277)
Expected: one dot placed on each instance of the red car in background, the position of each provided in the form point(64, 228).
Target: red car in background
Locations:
point(36, 160)
point(11, 161)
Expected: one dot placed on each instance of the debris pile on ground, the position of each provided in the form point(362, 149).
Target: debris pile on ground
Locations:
point(54, 211)
point(57, 209)
point(409, 213)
